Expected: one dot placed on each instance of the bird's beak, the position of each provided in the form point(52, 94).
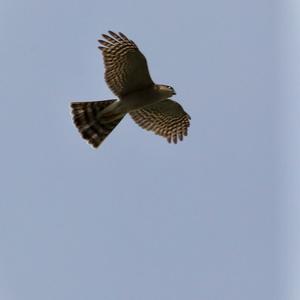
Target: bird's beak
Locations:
point(174, 93)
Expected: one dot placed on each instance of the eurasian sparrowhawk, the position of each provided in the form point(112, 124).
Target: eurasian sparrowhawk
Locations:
point(127, 75)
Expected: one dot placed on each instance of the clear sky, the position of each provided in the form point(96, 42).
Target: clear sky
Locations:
point(140, 219)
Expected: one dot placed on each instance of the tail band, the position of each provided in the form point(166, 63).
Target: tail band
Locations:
point(90, 124)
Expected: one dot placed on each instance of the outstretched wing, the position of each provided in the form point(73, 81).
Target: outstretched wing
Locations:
point(166, 118)
point(126, 67)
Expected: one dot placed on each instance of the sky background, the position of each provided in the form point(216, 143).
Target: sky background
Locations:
point(214, 217)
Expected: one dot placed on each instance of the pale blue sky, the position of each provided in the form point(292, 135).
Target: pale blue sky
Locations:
point(139, 219)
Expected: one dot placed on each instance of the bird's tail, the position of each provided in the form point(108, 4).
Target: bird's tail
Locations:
point(94, 125)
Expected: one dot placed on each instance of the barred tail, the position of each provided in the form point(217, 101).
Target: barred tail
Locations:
point(90, 124)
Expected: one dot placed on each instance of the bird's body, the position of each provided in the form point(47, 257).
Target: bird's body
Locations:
point(132, 101)
point(128, 77)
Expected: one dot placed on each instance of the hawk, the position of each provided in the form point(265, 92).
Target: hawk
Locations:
point(127, 75)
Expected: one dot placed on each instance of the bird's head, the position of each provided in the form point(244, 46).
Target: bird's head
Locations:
point(166, 90)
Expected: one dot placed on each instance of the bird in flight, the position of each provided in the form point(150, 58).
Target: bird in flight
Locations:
point(127, 75)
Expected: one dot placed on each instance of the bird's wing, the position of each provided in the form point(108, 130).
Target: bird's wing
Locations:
point(126, 67)
point(166, 118)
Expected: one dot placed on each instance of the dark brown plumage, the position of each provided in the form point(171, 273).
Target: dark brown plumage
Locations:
point(126, 67)
point(91, 127)
point(166, 118)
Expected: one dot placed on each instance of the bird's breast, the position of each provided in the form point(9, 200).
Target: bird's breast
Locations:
point(139, 99)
